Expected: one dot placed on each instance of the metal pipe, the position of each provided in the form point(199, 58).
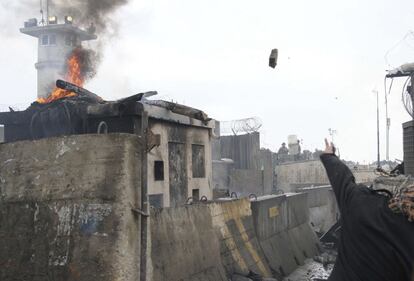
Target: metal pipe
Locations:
point(378, 134)
point(64, 85)
point(144, 195)
point(387, 121)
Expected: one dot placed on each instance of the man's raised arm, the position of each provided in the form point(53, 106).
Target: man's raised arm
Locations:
point(340, 176)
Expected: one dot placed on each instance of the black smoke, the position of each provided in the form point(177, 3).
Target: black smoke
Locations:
point(86, 12)
point(88, 60)
point(100, 13)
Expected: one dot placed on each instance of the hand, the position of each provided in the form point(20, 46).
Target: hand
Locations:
point(329, 147)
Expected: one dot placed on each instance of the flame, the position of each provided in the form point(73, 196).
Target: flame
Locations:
point(73, 75)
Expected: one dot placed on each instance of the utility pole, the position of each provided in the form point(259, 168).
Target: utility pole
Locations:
point(378, 134)
point(388, 122)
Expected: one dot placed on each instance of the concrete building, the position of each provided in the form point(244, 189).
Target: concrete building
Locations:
point(179, 161)
point(181, 166)
point(55, 42)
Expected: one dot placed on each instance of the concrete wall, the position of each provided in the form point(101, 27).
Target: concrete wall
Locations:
point(221, 174)
point(307, 172)
point(215, 144)
point(266, 165)
point(65, 209)
point(323, 209)
point(244, 150)
point(239, 247)
point(364, 176)
point(185, 245)
point(205, 242)
point(65, 214)
point(290, 176)
point(246, 182)
point(188, 136)
point(253, 167)
point(283, 231)
point(270, 236)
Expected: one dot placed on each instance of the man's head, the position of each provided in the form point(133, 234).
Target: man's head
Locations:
point(403, 202)
point(283, 144)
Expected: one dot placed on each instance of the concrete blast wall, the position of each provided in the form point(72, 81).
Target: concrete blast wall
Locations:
point(283, 231)
point(184, 245)
point(249, 181)
point(65, 209)
point(246, 182)
point(323, 209)
point(291, 176)
point(66, 214)
point(243, 149)
point(270, 236)
point(239, 247)
point(205, 242)
point(252, 171)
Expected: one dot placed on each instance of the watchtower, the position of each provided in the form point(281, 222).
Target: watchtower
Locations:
point(55, 42)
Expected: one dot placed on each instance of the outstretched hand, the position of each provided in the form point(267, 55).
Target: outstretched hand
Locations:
point(329, 147)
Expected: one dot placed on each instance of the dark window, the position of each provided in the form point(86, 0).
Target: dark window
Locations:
point(70, 40)
point(52, 40)
point(156, 200)
point(159, 170)
point(196, 194)
point(44, 40)
point(199, 170)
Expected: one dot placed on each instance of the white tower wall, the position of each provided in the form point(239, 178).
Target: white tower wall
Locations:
point(55, 43)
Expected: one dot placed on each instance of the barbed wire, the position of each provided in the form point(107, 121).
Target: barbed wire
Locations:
point(241, 126)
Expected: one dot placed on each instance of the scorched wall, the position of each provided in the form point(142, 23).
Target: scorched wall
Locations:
point(65, 209)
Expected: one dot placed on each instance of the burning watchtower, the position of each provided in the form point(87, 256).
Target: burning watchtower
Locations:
point(56, 43)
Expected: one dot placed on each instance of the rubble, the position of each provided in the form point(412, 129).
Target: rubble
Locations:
point(311, 271)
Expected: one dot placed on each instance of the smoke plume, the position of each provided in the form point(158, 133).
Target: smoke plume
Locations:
point(85, 12)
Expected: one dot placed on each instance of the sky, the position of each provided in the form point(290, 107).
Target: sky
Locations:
point(213, 55)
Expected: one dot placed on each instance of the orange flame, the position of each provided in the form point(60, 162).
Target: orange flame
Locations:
point(73, 75)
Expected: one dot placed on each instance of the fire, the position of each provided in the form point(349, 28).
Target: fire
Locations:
point(73, 75)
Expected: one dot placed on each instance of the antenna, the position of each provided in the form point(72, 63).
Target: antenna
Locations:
point(42, 21)
point(47, 11)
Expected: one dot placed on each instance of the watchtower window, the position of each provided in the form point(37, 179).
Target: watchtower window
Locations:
point(44, 40)
point(70, 40)
point(52, 40)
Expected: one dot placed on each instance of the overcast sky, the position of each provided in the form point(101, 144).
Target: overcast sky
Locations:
point(213, 55)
